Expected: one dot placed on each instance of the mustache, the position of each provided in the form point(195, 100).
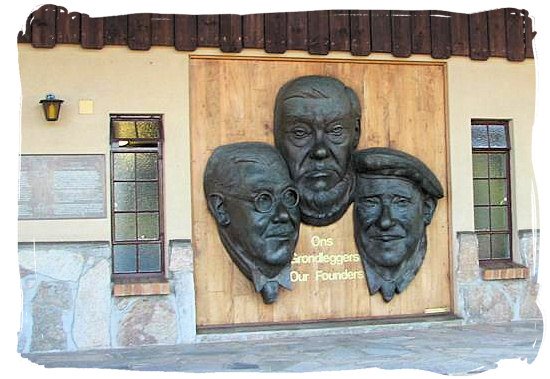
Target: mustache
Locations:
point(310, 169)
point(280, 231)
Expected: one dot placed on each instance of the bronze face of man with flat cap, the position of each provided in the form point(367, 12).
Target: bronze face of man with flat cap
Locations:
point(255, 204)
point(395, 198)
point(316, 128)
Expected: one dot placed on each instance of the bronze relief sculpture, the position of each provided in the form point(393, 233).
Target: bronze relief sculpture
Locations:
point(255, 204)
point(395, 199)
point(316, 128)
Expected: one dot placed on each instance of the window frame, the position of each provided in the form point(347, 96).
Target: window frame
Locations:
point(115, 148)
point(509, 214)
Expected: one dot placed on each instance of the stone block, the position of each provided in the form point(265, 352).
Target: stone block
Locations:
point(487, 303)
point(147, 320)
point(52, 261)
point(184, 290)
point(48, 306)
point(467, 269)
point(181, 256)
point(93, 308)
point(528, 308)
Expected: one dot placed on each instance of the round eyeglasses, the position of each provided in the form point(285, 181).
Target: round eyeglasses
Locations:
point(265, 200)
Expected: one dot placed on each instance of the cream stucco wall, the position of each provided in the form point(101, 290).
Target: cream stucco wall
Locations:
point(119, 80)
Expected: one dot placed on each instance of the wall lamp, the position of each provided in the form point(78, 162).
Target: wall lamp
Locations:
point(52, 106)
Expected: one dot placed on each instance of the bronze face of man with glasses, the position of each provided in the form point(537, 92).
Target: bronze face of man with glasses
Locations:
point(255, 204)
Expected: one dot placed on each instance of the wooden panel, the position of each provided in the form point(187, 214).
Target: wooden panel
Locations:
point(91, 36)
point(43, 26)
point(231, 39)
point(360, 32)
point(441, 34)
point(67, 26)
point(380, 31)
point(514, 35)
point(496, 20)
point(401, 40)
point(162, 29)
point(185, 32)
point(529, 35)
point(479, 37)
point(460, 34)
point(318, 31)
point(139, 31)
point(421, 38)
point(253, 31)
point(339, 30)
point(394, 118)
point(115, 30)
point(296, 30)
point(208, 30)
point(275, 32)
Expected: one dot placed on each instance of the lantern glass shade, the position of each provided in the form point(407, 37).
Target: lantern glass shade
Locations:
point(51, 106)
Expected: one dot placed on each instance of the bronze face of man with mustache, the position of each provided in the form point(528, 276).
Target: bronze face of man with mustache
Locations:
point(395, 198)
point(255, 204)
point(317, 127)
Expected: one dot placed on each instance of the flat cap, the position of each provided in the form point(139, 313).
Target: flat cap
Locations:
point(382, 161)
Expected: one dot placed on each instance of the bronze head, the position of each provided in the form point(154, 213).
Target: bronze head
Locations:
point(317, 127)
point(395, 198)
point(255, 204)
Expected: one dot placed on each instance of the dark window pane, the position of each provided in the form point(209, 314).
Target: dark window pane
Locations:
point(124, 129)
point(500, 246)
point(148, 226)
point(149, 258)
point(479, 136)
point(146, 166)
point(484, 246)
point(148, 129)
point(125, 196)
point(480, 166)
point(481, 192)
point(124, 258)
point(499, 195)
point(481, 218)
point(124, 166)
point(497, 165)
point(499, 218)
point(125, 226)
point(147, 196)
point(497, 136)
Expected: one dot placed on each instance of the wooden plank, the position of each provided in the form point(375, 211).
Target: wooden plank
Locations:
point(162, 29)
point(460, 34)
point(380, 31)
point(67, 26)
point(208, 30)
point(275, 32)
point(421, 37)
point(139, 31)
point(529, 35)
point(231, 39)
point(401, 33)
point(185, 32)
point(479, 36)
point(91, 36)
point(115, 30)
point(43, 26)
point(318, 31)
point(339, 30)
point(514, 35)
point(253, 31)
point(440, 34)
point(360, 32)
point(296, 31)
point(25, 36)
point(496, 20)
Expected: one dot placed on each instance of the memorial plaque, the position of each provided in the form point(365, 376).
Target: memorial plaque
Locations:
point(62, 187)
